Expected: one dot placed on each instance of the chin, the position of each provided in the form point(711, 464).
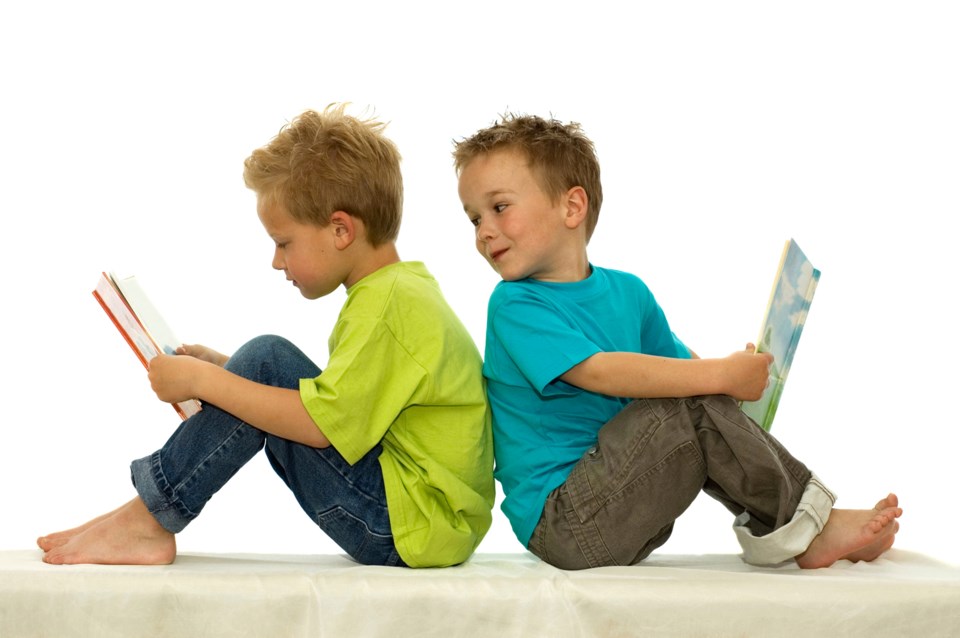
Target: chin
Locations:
point(317, 293)
point(307, 294)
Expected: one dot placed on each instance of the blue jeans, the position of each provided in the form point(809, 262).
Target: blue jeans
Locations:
point(347, 502)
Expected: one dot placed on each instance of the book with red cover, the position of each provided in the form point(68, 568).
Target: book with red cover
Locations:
point(140, 324)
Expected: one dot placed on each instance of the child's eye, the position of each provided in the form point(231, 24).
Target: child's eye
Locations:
point(475, 221)
point(499, 207)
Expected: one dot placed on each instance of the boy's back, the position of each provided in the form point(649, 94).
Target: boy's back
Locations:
point(536, 331)
point(404, 372)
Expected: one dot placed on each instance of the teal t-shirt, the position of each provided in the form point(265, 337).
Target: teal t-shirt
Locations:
point(537, 331)
point(403, 371)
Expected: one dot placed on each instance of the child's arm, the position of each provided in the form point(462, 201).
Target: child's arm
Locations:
point(742, 375)
point(278, 411)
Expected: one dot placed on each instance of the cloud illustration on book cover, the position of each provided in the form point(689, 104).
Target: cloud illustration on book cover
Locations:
point(793, 290)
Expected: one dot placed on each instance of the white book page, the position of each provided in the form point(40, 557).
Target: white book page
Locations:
point(151, 318)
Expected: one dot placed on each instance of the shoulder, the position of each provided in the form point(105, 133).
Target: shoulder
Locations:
point(519, 296)
point(391, 284)
point(621, 277)
point(625, 284)
point(405, 275)
point(508, 291)
point(412, 278)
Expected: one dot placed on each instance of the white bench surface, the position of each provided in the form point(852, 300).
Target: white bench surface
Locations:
point(903, 593)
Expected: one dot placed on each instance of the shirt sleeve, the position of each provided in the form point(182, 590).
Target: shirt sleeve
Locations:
point(541, 343)
point(656, 336)
point(368, 381)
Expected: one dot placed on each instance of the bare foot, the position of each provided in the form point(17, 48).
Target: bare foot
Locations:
point(885, 542)
point(127, 536)
point(854, 535)
point(48, 542)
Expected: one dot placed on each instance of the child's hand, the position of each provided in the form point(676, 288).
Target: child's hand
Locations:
point(203, 353)
point(173, 378)
point(748, 373)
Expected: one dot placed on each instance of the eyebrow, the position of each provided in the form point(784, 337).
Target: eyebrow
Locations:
point(497, 191)
point(494, 193)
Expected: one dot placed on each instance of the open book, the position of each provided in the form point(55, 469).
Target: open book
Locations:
point(140, 324)
point(793, 289)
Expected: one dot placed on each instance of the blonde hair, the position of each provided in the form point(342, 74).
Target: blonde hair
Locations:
point(324, 162)
point(560, 155)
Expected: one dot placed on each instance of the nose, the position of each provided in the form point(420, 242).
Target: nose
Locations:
point(277, 263)
point(485, 229)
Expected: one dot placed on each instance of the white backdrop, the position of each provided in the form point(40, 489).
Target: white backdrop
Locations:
point(722, 129)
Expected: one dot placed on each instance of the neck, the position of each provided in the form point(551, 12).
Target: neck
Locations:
point(372, 259)
point(575, 269)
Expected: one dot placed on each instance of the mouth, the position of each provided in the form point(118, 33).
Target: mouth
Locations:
point(497, 254)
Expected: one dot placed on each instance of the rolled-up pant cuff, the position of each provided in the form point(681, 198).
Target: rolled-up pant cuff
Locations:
point(147, 478)
point(795, 537)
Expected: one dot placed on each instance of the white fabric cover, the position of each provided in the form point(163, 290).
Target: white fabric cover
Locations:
point(902, 594)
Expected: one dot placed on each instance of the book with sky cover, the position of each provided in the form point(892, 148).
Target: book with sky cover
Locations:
point(143, 328)
point(793, 289)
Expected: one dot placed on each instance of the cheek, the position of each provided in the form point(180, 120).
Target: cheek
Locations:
point(291, 262)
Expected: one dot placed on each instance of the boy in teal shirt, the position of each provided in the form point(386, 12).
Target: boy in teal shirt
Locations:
point(606, 426)
point(387, 449)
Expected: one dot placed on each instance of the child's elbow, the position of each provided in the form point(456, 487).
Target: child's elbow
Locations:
point(321, 441)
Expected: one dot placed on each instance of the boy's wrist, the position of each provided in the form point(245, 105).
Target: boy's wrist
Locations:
point(718, 376)
point(204, 379)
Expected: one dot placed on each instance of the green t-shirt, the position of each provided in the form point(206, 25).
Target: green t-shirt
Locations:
point(404, 372)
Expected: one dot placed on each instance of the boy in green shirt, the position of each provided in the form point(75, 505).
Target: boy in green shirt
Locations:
point(388, 449)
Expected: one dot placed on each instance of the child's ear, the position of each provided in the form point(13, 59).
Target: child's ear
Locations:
point(577, 203)
point(344, 228)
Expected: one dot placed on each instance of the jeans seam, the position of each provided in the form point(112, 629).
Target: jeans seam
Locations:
point(374, 499)
point(640, 443)
point(686, 448)
point(799, 474)
point(173, 492)
point(615, 484)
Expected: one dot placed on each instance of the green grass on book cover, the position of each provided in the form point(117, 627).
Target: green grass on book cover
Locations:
point(793, 288)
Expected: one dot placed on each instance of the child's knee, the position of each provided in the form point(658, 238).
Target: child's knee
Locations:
point(271, 359)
